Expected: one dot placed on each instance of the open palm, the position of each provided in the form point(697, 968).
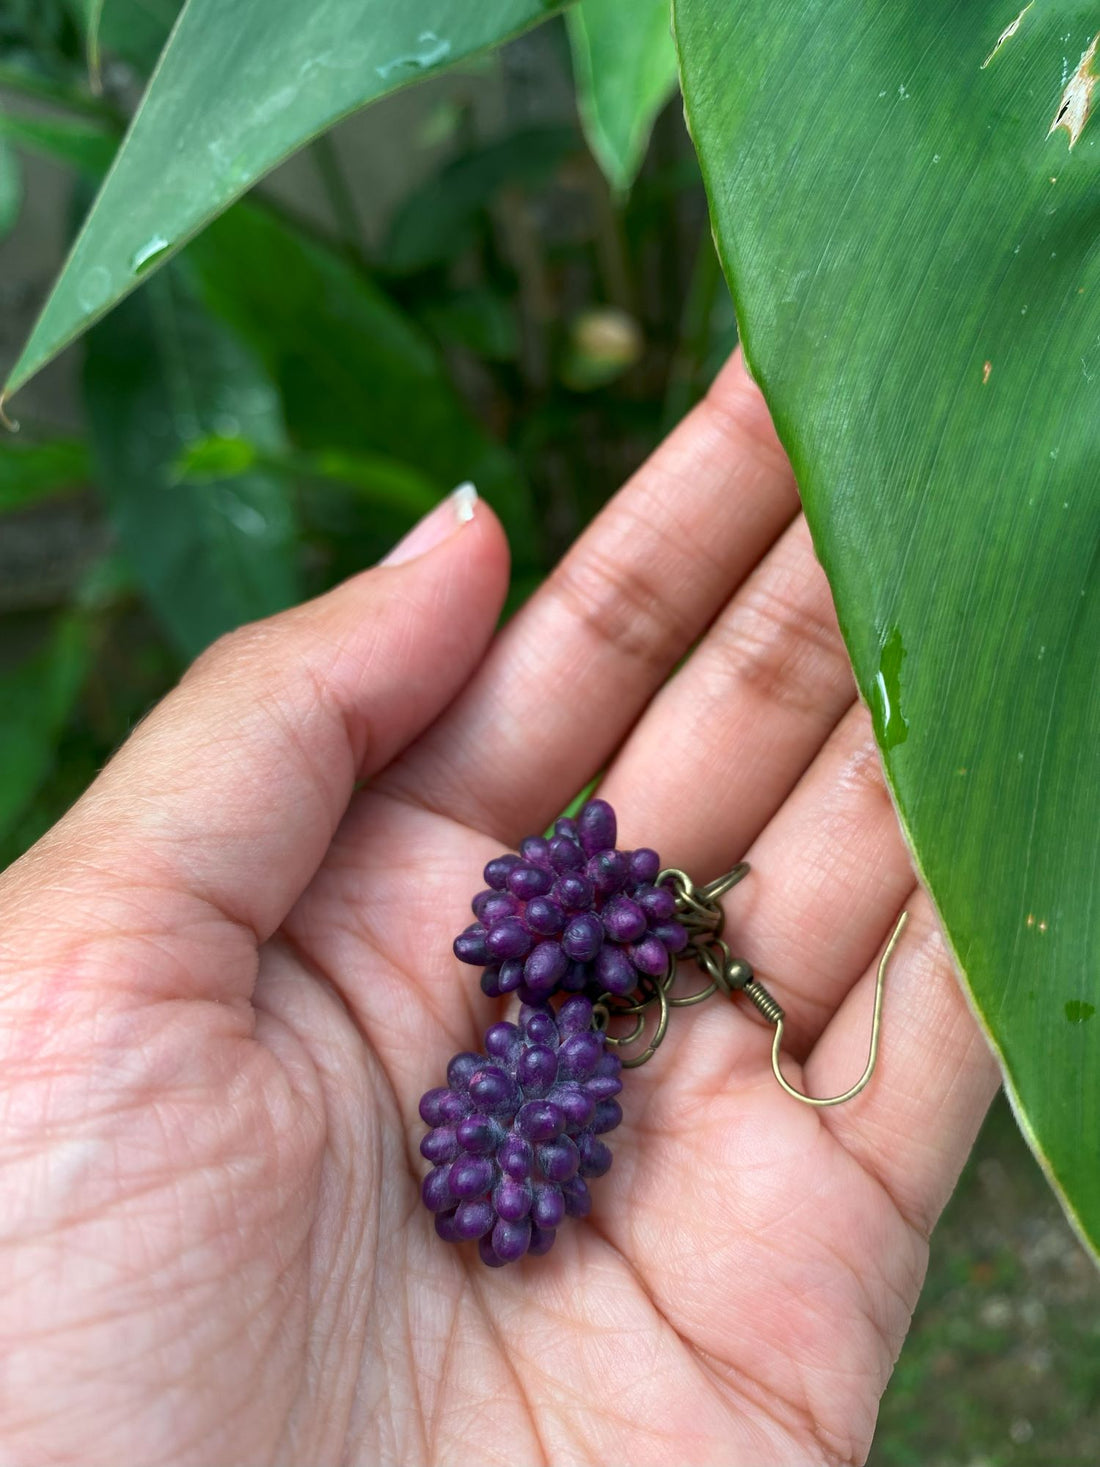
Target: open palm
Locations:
point(226, 980)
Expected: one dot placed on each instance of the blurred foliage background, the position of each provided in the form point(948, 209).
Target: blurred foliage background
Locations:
point(467, 281)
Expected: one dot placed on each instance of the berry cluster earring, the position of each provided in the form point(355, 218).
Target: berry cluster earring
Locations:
point(515, 1134)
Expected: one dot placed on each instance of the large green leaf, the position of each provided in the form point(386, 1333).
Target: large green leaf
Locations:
point(355, 373)
point(238, 88)
point(36, 697)
point(160, 375)
point(625, 64)
point(907, 200)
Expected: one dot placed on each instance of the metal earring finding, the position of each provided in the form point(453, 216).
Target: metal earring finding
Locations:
point(698, 910)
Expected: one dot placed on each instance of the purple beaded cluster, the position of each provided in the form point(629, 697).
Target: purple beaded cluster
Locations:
point(572, 915)
point(515, 1133)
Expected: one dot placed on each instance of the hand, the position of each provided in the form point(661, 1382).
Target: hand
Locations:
point(226, 977)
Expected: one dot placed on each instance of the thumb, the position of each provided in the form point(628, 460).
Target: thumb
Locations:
point(226, 797)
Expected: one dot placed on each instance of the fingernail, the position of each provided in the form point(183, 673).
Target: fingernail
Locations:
point(438, 524)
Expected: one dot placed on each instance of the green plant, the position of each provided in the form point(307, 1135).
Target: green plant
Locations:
point(905, 201)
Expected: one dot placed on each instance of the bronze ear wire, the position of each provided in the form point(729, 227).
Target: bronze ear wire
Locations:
point(698, 910)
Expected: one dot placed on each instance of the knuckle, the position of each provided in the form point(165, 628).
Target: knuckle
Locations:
point(621, 605)
point(784, 645)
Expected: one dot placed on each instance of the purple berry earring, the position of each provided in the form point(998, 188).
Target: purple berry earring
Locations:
point(515, 1133)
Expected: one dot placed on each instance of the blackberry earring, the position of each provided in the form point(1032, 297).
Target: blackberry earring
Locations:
point(515, 1133)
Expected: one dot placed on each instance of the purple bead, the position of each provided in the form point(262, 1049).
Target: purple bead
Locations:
point(431, 1106)
point(510, 1239)
point(576, 1105)
point(478, 903)
point(579, 1056)
point(537, 1069)
point(558, 1160)
point(583, 937)
point(548, 1208)
point(539, 1120)
point(461, 1067)
point(672, 935)
point(657, 902)
point(526, 881)
point(600, 1087)
point(566, 825)
point(490, 1087)
point(512, 1200)
point(575, 892)
point(485, 1250)
point(471, 1176)
point(473, 1220)
point(596, 826)
point(470, 946)
point(479, 1134)
point(496, 906)
point(445, 1226)
point(490, 983)
point(565, 854)
point(496, 872)
point(545, 967)
point(607, 872)
point(516, 1157)
point(574, 1016)
point(536, 851)
point(595, 1156)
point(436, 1190)
point(615, 972)
point(509, 939)
point(623, 920)
point(578, 1202)
point(544, 916)
point(502, 1040)
point(644, 865)
point(542, 1240)
point(440, 1145)
point(511, 975)
point(610, 1064)
point(539, 1027)
point(607, 1116)
point(650, 956)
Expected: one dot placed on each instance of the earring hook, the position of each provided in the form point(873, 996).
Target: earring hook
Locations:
point(775, 1013)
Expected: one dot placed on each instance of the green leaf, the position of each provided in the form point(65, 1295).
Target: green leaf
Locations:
point(30, 472)
point(625, 65)
point(88, 15)
point(84, 144)
point(379, 480)
point(160, 375)
point(354, 372)
point(238, 88)
point(438, 221)
point(11, 189)
point(36, 697)
point(909, 222)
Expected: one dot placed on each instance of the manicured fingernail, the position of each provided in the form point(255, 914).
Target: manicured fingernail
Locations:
point(437, 525)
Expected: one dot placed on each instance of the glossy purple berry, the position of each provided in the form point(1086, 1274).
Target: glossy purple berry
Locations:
point(526, 881)
point(574, 892)
point(583, 937)
point(545, 968)
point(623, 920)
point(644, 866)
point(509, 939)
point(615, 973)
point(496, 872)
point(544, 916)
point(514, 1135)
point(596, 827)
point(650, 956)
point(472, 946)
